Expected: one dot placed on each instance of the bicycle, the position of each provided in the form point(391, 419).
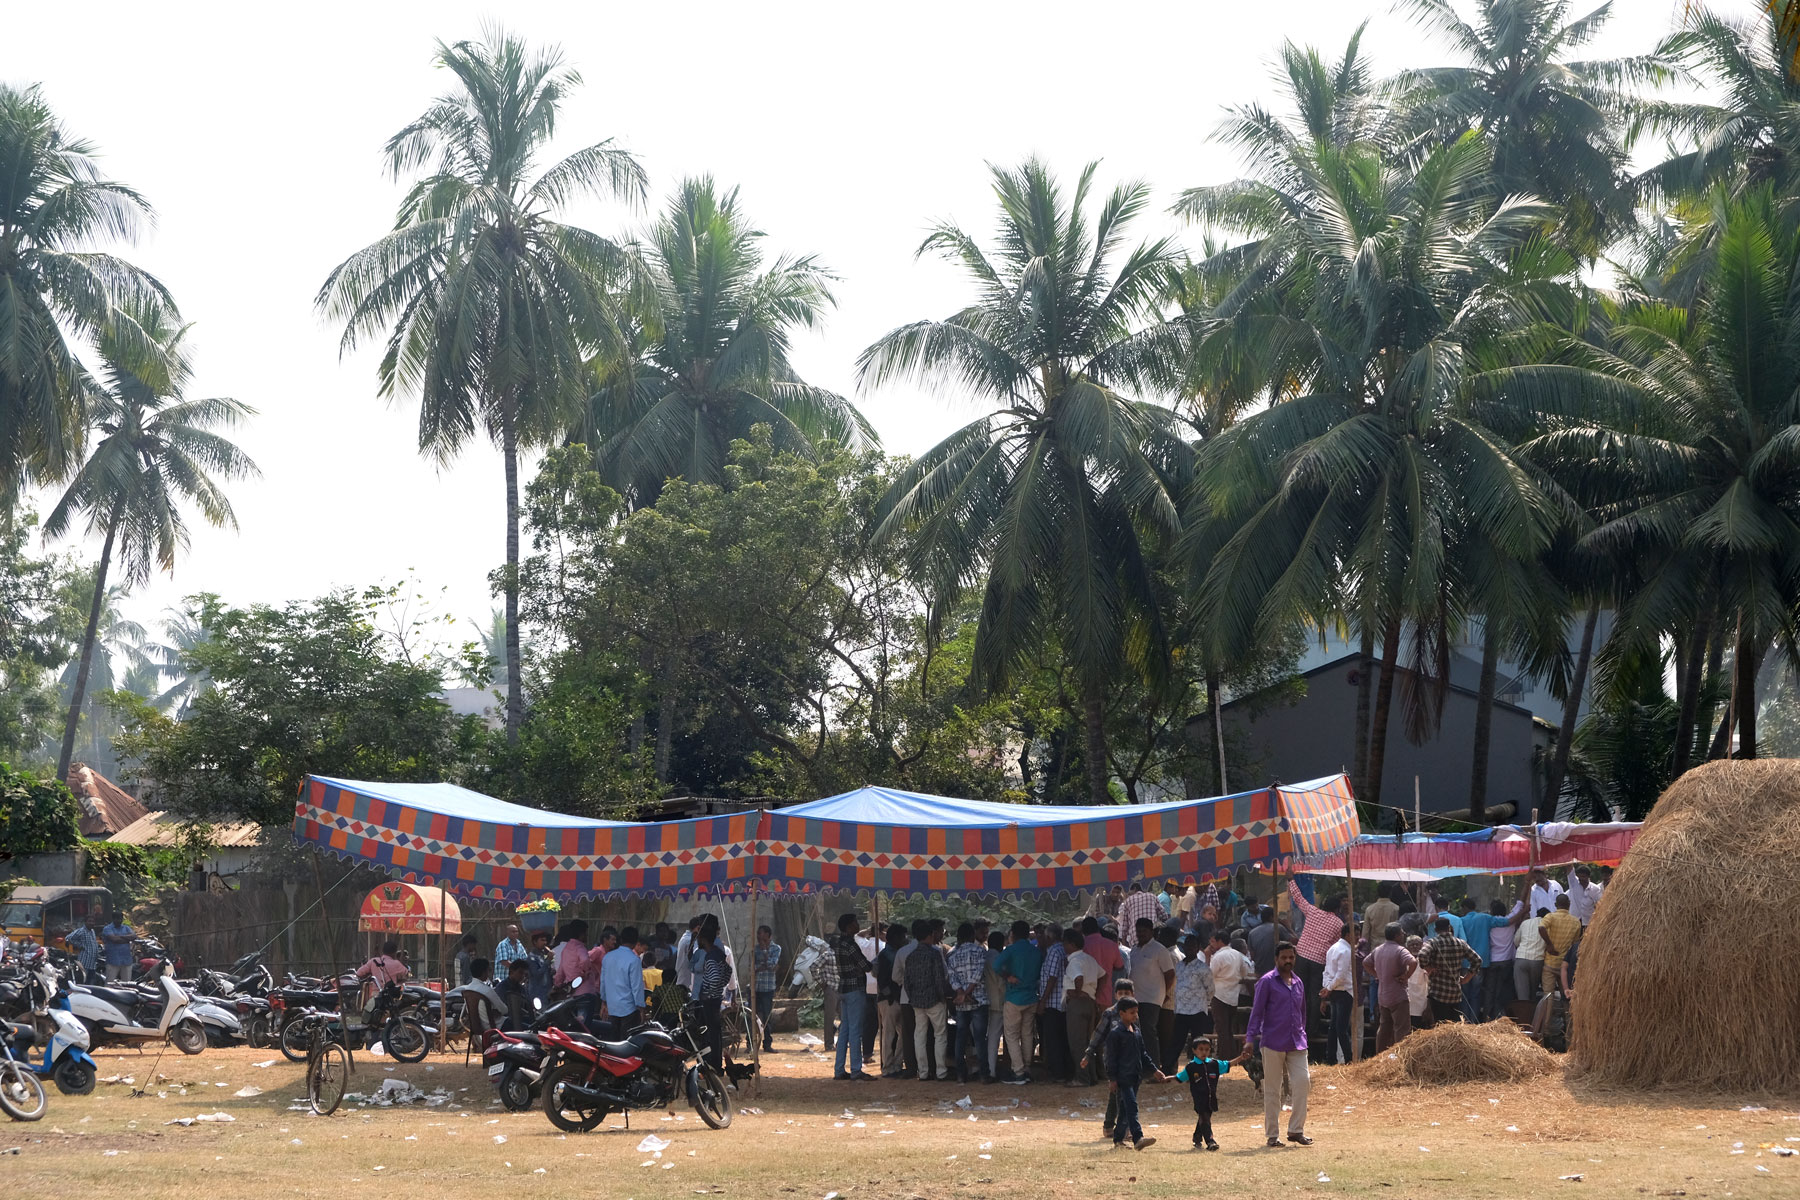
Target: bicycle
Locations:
point(328, 1063)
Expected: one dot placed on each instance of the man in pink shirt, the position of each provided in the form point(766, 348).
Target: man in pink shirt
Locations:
point(1105, 951)
point(575, 961)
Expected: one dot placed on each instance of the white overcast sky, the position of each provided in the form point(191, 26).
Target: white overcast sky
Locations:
point(256, 129)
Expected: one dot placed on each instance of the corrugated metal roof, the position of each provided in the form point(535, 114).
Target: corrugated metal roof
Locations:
point(159, 828)
point(106, 808)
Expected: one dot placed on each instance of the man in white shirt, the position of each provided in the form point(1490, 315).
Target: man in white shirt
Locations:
point(1338, 991)
point(1081, 996)
point(1230, 971)
point(1543, 894)
point(1153, 977)
point(871, 948)
point(1584, 894)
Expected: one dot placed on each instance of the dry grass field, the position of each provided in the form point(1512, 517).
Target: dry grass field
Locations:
point(810, 1138)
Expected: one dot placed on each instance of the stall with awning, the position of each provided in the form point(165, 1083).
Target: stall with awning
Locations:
point(397, 907)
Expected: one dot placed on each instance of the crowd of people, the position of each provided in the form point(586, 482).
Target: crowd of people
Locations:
point(1184, 984)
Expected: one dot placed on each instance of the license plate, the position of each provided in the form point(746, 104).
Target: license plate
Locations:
point(496, 1069)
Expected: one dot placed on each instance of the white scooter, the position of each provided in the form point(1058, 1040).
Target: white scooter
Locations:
point(128, 1014)
point(65, 1061)
point(221, 1024)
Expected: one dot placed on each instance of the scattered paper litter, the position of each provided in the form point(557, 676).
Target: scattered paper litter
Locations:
point(984, 1156)
point(1753, 1108)
point(1424, 1149)
point(966, 1102)
point(669, 1166)
point(499, 1139)
point(270, 1063)
point(1570, 1178)
point(1512, 1129)
point(296, 1142)
point(1324, 1178)
point(651, 1142)
point(807, 1039)
point(1784, 1151)
point(247, 1091)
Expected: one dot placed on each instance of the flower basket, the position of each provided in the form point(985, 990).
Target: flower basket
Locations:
point(535, 922)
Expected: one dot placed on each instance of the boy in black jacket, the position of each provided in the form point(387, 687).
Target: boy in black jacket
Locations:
point(1127, 1063)
point(1096, 1051)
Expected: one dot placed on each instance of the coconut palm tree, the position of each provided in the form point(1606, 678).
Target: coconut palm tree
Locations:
point(185, 631)
point(154, 449)
point(54, 204)
point(491, 306)
point(711, 359)
point(1049, 502)
point(120, 663)
point(1700, 477)
point(1389, 285)
point(1554, 124)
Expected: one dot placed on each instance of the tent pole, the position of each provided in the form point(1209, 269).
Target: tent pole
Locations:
point(1356, 1009)
point(443, 976)
point(755, 1022)
point(330, 926)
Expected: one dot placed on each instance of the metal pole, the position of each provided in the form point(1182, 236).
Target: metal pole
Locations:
point(443, 976)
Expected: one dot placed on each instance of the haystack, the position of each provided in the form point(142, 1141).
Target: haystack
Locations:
point(1688, 976)
point(1500, 1052)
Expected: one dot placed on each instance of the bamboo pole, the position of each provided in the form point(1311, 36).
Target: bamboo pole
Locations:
point(755, 1023)
point(443, 976)
point(1356, 1008)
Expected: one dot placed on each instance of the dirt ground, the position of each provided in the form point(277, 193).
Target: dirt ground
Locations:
point(807, 1136)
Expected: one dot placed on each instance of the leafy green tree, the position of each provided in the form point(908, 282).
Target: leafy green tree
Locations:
point(491, 306)
point(1049, 501)
point(155, 450)
point(711, 359)
point(54, 203)
point(37, 816)
point(313, 688)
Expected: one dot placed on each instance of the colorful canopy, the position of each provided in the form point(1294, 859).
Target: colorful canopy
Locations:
point(487, 849)
point(1503, 850)
point(892, 841)
point(872, 838)
point(396, 907)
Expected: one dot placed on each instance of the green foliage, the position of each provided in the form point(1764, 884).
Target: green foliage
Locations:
point(40, 620)
point(305, 688)
point(37, 816)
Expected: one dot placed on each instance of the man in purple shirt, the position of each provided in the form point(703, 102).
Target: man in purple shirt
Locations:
point(1278, 1031)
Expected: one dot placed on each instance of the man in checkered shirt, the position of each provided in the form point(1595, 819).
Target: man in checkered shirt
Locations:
point(1137, 904)
point(1052, 1020)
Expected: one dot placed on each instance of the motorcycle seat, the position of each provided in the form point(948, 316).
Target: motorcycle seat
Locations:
point(21, 1035)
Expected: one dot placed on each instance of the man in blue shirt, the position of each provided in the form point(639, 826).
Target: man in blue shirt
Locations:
point(117, 936)
point(1019, 966)
point(1480, 998)
point(622, 982)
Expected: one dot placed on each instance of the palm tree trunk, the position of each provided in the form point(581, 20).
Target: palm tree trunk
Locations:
point(1484, 722)
point(79, 691)
point(1365, 685)
point(515, 694)
point(1692, 683)
point(1715, 664)
point(1093, 712)
point(1749, 660)
point(1384, 705)
point(1215, 722)
point(1565, 736)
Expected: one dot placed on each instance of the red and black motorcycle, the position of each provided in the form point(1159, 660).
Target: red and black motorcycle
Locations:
point(593, 1078)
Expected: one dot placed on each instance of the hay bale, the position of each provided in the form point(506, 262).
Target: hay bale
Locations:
point(1498, 1052)
point(1688, 976)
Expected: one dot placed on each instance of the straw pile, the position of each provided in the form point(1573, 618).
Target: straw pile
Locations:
point(1689, 976)
point(1498, 1052)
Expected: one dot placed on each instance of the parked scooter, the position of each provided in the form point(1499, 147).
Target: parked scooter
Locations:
point(155, 1012)
point(39, 996)
point(21, 1095)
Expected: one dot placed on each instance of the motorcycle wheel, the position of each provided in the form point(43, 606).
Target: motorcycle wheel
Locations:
point(406, 1040)
point(256, 1033)
point(73, 1077)
point(572, 1120)
point(515, 1090)
point(21, 1095)
point(709, 1095)
point(294, 1042)
point(188, 1035)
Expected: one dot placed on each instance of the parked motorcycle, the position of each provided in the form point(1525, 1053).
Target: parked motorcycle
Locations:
point(594, 1078)
point(515, 1060)
point(301, 992)
point(21, 1095)
point(38, 996)
point(155, 1011)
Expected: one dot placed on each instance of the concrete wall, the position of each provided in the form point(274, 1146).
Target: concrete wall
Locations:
point(67, 868)
point(1316, 736)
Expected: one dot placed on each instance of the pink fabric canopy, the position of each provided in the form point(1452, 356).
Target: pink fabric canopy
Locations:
point(1506, 850)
